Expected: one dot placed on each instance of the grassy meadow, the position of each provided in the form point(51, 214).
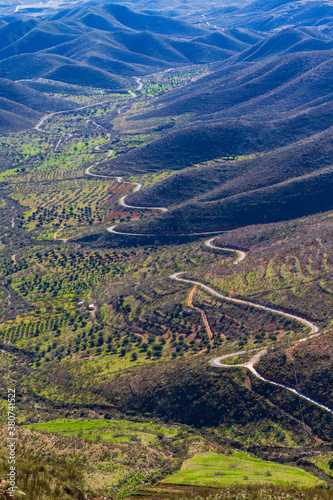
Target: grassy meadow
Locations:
point(212, 469)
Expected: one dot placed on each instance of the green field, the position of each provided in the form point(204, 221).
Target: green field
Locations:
point(212, 469)
point(112, 431)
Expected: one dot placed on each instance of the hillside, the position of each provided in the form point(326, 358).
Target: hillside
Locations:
point(207, 141)
point(20, 94)
point(195, 144)
point(230, 194)
point(273, 15)
point(287, 250)
point(275, 98)
point(284, 84)
point(104, 45)
point(166, 249)
point(313, 363)
point(20, 107)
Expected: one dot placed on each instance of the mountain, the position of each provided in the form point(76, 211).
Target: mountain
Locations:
point(273, 15)
point(112, 343)
point(288, 41)
point(149, 22)
point(272, 187)
point(273, 100)
point(281, 83)
point(104, 45)
point(204, 141)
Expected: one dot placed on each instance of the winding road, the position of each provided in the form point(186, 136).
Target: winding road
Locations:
point(66, 111)
point(139, 82)
point(138, 186)
point(139, 87)
point(43, 120)
point(240, 253)
point(216, 362)
point(122, 200)
point(305, 322)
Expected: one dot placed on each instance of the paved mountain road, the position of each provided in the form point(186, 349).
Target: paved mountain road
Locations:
point(66, 111)
point(216, 362)
point(176, 276)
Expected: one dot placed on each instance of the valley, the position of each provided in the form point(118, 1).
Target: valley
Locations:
point(166, 251)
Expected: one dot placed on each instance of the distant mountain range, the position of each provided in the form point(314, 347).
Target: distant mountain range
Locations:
point(100, 46)
point(269, 92)
point(104, 45)
point(273, 15)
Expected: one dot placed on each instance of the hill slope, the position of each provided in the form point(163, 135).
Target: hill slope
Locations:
point(21, 106)
point(277, 85)
point(286, 183)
